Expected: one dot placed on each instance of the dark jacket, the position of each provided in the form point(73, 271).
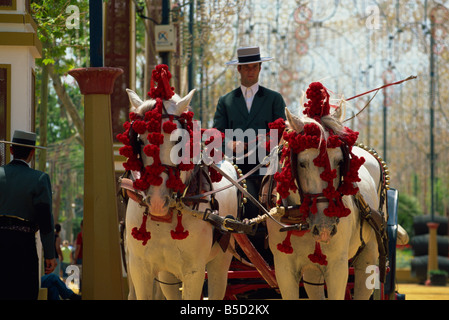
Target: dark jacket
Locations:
point(232, 113)
point(25, 194)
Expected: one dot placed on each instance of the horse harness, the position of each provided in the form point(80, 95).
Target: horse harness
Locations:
point(200, 187)
point(268, 196)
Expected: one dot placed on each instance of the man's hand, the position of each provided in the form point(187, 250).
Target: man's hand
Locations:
point(50, 265)
point(237, 145)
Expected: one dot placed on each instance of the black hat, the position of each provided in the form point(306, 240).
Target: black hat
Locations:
point(247, 55)
point(24, 139)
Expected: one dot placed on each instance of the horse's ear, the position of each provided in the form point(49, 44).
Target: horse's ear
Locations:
point(182, 104)
point(337, 113)
point(134, 99)
point(295, 122)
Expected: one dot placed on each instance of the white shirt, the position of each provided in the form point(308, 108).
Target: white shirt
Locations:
point(249, 93)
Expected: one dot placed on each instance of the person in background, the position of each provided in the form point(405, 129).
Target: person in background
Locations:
point(79, 246)
point(57, 289)
point(66, 257)
point(58, 252)
point(25, 208)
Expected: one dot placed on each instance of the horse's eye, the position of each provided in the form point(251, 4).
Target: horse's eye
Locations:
point(341, 162)
point(303, 164)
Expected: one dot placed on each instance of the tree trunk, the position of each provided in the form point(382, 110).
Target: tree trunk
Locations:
point(67, 103)
point(43, 110)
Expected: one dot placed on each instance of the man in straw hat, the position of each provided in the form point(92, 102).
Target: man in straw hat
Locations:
point(25, 207)
point(250, 107)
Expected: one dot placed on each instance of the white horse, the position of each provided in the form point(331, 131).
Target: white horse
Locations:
point(164, 261)
point(332, 240)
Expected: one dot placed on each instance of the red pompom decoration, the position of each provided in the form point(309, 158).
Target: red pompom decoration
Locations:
point(318, 256)
point(169, 126)
point(179, 233)
point(286, 246)
point(142, 234)
point(311, 137)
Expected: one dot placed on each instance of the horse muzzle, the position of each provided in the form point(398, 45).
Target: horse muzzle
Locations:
point(158, 206)
point(324, 233)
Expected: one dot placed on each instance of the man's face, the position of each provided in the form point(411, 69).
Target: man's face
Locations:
point(249, 73)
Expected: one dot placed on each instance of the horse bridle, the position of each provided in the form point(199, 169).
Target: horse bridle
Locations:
point(319, 197)
point(136, 143)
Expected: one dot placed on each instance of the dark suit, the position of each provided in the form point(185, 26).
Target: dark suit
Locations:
point(25, 206)
point(232, 113)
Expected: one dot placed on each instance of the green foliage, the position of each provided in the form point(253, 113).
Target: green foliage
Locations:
point(64, 47)
point(438, 272)
point(408, 207)
point(403, 257)
point(61, 43)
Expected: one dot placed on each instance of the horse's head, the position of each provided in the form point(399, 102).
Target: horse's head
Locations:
point(162, 172)
point(321, 165)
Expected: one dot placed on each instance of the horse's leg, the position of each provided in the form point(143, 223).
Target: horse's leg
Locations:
point(314, 289)
point(193, 280)
point(217, 275)
point(336, 277)
point(170, 286)
point(367, 258)
point(143, 280)
point(132, 291)
point(287, 276)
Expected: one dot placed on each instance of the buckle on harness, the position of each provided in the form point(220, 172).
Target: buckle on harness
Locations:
point(225, 222)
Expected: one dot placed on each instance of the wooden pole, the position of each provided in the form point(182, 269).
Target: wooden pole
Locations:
point(432, 263)
point(102, 268)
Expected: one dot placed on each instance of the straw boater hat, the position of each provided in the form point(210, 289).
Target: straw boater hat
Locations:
point(247, 55)
point(24, 139)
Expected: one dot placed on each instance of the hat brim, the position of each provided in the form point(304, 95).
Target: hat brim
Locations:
point(236, 62)
point(23, 145)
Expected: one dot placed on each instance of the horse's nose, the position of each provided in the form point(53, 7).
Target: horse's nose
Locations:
point(334, 229)
point(147, 199)
point(315, 230)
point(167, 201)
point(323, 233)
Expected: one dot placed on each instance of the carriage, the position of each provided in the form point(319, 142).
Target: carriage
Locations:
point(326, 201)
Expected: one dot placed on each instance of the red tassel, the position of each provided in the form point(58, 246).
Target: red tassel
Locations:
point(286, 246)
point(318, 256)
point(142, 234)
point(179, 233)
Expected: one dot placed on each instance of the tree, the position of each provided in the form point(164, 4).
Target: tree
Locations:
point(62, 29)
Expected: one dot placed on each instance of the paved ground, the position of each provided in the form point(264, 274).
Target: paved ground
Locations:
point(421, 292)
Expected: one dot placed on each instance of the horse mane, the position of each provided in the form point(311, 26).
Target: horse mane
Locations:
point(146, 106)
point(331, 123)
point(149, 104)
point(328, 123)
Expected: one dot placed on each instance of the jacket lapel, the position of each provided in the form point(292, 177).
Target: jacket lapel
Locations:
point(240, 103)
point(257, 105)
